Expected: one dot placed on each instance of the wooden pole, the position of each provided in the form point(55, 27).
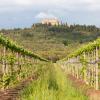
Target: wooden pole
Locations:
point(89, 67)
point(6, 62)
point(68, 66)
point(4, 66)
point(94, 68)
point(19, 65)
point(97, 58)
point(77, 64)
point(3, 62)
point(91, 70)
point(85, 70)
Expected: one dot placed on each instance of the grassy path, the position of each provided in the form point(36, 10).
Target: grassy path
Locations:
point(51, 85)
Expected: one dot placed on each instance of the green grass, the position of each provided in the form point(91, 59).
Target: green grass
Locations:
point(51, 85)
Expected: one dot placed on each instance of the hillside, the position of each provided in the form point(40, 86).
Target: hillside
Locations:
point(53, 42)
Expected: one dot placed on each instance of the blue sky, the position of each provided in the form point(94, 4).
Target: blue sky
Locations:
point(23, 13)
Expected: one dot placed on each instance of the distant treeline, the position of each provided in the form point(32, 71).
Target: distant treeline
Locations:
point(60, 28)
point(70, 28)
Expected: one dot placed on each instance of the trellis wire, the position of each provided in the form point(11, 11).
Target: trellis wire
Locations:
point(87, 69)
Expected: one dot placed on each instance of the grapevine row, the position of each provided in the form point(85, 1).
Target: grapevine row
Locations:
point(87, 48)
point(84, 64)
point(15, 47)
point(16, 63)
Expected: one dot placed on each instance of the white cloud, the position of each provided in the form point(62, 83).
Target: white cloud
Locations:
point(42, 15)
point(66, 4)
point(23, 2)
point(79, 10)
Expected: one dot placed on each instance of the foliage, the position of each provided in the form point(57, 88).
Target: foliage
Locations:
point(86, 48)
point(14, 47)
point(11, 74)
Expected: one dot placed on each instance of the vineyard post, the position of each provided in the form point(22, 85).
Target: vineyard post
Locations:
point(33, 61)
point(72, 67)
point(19, 66)
point(94, 68)
point(23, 57)
point(77, 64)
point(91, 60)
point(63, 67)
point(79, 68)
point(6, 62)
point(30, 63)
point(97, 56)
point(91, 57)
point(3, 63)
point(17, 62)
point(85, 71)
point(1, 60)
point(12, 65)
point(89, 70)
point(24, 61)
point(68, 66)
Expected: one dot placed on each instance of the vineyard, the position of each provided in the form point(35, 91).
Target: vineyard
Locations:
point(16, 63)
point(84, 64)
point(48, 80)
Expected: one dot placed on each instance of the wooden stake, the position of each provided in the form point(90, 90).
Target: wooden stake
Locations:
point(85, 73)
point(97, 57)
point(3, 65)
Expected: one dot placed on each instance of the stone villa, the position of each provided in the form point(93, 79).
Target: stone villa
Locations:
point(50, 22)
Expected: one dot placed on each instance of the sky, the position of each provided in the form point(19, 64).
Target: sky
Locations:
point(23, 13)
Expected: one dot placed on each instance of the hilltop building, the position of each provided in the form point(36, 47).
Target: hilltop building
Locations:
point(50, 22)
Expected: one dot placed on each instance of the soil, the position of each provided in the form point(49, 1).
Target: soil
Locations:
point(86, 89)
point(13, 93)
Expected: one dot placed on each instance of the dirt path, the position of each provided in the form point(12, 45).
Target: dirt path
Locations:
point(87, 90)
point(13, 93)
